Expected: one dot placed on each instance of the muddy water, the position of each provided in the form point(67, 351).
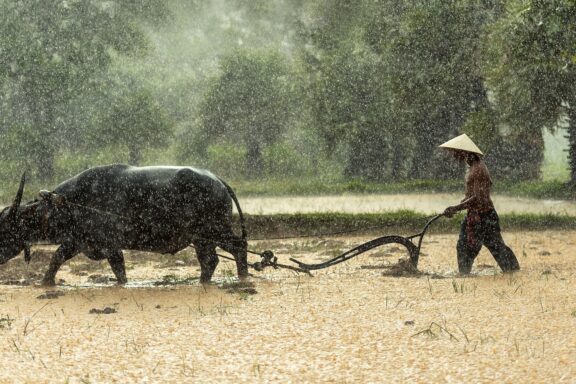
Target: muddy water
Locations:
point(350, 323)
point(425, 203)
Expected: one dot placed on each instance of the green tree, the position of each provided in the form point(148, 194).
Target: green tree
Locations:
point(531, 67)
point(325, 36)
point(347, 97)
point(249, 103)
point(391, 80)
point(51, 53)
point(429, 49)
point(136, 122)
point(350, 110)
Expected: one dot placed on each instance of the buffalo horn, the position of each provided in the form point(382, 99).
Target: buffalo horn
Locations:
point(14, 208)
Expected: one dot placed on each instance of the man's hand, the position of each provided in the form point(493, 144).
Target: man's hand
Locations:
point(450, 211)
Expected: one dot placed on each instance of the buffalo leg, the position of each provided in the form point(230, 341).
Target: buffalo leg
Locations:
point(239, 248)
point(64, 253)
point(208, 260)
point(116, 261)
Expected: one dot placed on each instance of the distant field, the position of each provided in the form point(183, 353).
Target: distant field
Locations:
point(555, 165)
point(428, 203)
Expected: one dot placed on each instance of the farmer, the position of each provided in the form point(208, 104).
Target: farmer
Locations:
point(481, 224)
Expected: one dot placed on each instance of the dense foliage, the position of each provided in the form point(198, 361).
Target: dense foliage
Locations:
point(328, 89)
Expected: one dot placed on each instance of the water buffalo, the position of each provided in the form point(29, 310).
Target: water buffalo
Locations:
point(106, 209)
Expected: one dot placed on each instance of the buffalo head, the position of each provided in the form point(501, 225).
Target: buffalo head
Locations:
point(11, 236)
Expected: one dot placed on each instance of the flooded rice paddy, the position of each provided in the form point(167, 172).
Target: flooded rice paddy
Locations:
point(354, 322)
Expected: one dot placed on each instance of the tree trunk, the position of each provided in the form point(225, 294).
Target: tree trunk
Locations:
point(44, 163)
point(530, 154)
point(421, 154)
point(427, 162)
point(398, 157)
point(254, 161)
point(44, 153)
point(572, 144)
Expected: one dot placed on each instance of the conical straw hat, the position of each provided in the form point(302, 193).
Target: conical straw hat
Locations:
point(462, 143)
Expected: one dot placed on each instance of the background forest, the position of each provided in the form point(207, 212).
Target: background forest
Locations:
point(324, 90)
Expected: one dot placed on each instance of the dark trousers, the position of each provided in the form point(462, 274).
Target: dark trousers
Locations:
point(483, 229)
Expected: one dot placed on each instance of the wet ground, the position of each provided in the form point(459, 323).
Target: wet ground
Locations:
point(356, 322)
point(425, 203)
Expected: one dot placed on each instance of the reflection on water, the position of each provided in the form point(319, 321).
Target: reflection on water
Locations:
point(425, 203)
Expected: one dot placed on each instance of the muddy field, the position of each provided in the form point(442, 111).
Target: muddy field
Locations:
point(357, 322)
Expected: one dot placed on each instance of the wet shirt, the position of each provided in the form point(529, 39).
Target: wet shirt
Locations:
point(478, 183)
